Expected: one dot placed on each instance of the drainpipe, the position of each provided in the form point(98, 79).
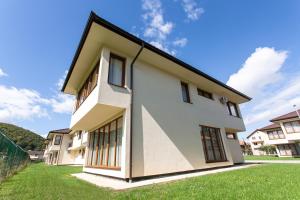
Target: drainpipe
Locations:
point(131, 110)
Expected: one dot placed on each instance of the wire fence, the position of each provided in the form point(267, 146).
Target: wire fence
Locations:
point(12, 157)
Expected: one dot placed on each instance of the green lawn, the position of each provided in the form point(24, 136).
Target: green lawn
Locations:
point(269, 158)
point(273, 181)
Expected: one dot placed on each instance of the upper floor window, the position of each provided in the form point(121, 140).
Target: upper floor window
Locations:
point(116, 74)
point(292, 127)
point(57, 139)
point(253, 138)
point(79, 135)
point(231, 136)
point(88, 86)
point(185, 92)
point(275, 134)
point(232, 109)
point(204, 93)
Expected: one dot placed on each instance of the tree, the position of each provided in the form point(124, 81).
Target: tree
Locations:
point(269, 149)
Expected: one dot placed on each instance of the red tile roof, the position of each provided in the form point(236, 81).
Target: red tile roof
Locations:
point(286, 116)
point(271, 126)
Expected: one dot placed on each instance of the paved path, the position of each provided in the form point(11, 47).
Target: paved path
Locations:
point(274, 161)
point(121, 185)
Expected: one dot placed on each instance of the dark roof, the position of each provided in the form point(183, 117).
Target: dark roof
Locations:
point(286, 116)
point(102, 22)
point(270, 126)
point(63, 131)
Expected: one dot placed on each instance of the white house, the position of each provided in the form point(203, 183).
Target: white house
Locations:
point(284, 134)
point(148, 113)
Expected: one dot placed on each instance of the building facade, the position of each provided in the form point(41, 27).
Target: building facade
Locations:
point(283, 134)
point(146, 112)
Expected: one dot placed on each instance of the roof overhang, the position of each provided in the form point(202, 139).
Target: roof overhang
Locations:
point(99, 32)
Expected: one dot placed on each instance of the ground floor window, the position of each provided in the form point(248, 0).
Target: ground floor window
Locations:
point(287, 150)
point(105, 145)
point(212, 144)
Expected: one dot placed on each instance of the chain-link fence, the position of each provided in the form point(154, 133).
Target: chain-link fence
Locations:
point(12, 157)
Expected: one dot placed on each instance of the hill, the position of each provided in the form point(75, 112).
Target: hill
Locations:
point(26, 139)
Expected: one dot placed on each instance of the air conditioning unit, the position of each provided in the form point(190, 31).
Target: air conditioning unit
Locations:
point(223, 100)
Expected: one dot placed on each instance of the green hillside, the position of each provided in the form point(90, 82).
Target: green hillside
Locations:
point(26, 139)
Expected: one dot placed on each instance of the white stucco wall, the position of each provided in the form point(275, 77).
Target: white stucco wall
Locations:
point(166, 133)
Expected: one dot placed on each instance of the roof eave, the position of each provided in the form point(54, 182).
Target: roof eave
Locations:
point(95, 18)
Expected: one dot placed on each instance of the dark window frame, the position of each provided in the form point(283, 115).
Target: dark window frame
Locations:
point(205, 94)
point(275, 132)
point(292, 126)
point(55, 142)
point(123, 60)
point(187, 92)
point(231, 133)
point(99, 147)
point(220, 144)
point(235, 108)
point(87, 88)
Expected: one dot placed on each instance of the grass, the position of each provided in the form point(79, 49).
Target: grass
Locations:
point(269, 158)
point(272, 181)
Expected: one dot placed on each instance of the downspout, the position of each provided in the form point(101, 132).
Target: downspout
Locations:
point(131, 110)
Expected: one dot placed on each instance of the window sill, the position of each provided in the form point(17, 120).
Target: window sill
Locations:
point(216, 161)
point(119, 86)
point(235, 116)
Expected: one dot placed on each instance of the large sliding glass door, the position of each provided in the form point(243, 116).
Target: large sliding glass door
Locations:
point(105, 146)
point(212, 144)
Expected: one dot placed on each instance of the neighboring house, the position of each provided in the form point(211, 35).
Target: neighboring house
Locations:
point(56, 151)
point(147, 112)
point(246, 147)
point(77, 146)
point(284, 134)
point(36, 155)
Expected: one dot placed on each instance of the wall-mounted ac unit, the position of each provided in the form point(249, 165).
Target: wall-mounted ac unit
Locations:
point(223, 100)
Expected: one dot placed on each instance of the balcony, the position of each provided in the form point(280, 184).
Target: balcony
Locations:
point(54, 148)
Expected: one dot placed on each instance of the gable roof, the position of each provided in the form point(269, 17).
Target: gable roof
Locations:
point(286, 116)
point(60, 131)
point(269, 127)
point(102, 22)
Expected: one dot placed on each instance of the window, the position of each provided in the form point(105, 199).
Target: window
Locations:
point(212, 144)
point(231, 136)
point(105, 146)
point(287, 150)
point(88, 86)
point(79, 135)
point(57, 139)
point(232, 109)
point(116, 74)
point(204, 94)
point(275, 134)
point(253, 138)
point(292, 127)
point(185, 92)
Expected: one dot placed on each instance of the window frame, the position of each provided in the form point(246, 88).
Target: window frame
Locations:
point(292, 126)
point(235, 108)
point(231, 133)
point(205, 94)
point(60, 139)
point(123, 60)
point(87, 88)
point(223, 157)
point(99, 147)
point(273, 133)
point(187, 92)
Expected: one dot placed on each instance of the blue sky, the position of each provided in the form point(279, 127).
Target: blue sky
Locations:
point(253, 46)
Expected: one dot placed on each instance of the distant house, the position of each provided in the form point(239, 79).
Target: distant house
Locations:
point(246, 147)
point(36, 155)
point(146, 112)
point(283, 133)
point(65, 147)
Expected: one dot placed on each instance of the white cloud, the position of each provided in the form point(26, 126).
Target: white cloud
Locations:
point(2, 73)
point(62, 80)
point(62, 103)
point(21, 104)
point(28, 104)
point(192, 10)
point(259, 70)
point(273, 91)
point(181, 42)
